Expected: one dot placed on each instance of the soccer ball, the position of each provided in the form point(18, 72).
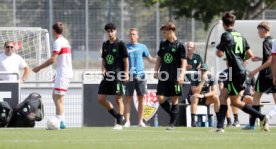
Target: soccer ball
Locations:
point(53, 123)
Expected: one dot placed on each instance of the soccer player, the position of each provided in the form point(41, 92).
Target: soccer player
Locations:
point(137, 51)
point(115, 72)
point(237, 50)
point(12, 62)
point(204, 92)
point(264, 82)
point(62, 56)
point(169, 70)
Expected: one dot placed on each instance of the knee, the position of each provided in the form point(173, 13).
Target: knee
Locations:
point(101, 99)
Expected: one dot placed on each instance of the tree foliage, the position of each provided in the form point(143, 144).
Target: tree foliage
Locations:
point(207, 10)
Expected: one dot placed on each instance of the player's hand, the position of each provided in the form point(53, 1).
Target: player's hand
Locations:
point(155, 75)
point(180, 80)
point(36, 69)
point(103, 72)
point(256, 58)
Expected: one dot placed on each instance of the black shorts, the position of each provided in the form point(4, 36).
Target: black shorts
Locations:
point(265, 85)
point(111, 87)
point(169, 88)
point(236, 85)
point(139, 84)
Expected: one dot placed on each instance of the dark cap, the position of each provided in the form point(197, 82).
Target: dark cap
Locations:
point(204, 66)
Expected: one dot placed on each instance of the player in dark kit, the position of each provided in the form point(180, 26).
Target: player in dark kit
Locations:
point(264, 82)
point(115, 72)
point(237, 51)
point(169, 69)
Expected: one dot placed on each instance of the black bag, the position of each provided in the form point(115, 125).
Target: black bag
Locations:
point(26, 113)
point(5, 113)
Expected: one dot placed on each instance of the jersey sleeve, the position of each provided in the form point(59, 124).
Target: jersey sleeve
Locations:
point(267, 47)
point(160, 53)
point(56, 47)
point(225, 40)
point(123, 50)
point(145, 51)
point(182, 51)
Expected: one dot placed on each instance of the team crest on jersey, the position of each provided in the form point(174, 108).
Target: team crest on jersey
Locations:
point(109, 59)
point(173, 49)
point(168, 58)
point(151, 104)
point(114, 50)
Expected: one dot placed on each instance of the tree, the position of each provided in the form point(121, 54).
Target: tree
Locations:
point(207, 10)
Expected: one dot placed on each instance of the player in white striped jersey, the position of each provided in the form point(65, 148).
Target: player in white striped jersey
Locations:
point(62, 56)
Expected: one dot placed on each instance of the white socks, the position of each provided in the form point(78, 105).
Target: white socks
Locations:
point(60, 117)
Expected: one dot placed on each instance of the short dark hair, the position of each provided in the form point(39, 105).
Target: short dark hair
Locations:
point(58, 27)
point(265, 25)
point(110, 26)
point(168, 26)
point(228, 19)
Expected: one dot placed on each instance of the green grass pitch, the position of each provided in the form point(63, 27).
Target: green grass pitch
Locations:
point(136, 138)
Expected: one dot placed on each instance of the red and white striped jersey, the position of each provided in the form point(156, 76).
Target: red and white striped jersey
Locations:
point(62, 47)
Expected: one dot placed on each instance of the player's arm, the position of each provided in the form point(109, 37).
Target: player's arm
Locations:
point(249, 55)
point(156, 67)
point(47, 63)
point(263, 66)
point(126, 66)
point(103, 68)
point(221, 86)
point(151, 59)
point(197, 89)
point(273, 66)
point(26, 72)
point(182, 71)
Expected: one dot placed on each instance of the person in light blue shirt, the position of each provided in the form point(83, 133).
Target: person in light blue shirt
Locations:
point(137, 52)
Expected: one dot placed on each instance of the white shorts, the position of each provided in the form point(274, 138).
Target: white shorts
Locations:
point(61, 85)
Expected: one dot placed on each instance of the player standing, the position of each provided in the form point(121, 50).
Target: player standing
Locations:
point(237, 50)
point(169, 69)
point(264, 82)
point(115, 71)
point(137, 52)
point(62, 56)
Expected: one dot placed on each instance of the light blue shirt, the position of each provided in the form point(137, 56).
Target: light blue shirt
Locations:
point(136, 53)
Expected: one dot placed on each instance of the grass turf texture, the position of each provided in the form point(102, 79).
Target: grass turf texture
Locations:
point(134, 138)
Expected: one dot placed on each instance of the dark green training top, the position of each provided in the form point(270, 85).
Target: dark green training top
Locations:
point(267, 46)
point(171, 55)
point(194, 62)
point(234, 46)
point(113, 55)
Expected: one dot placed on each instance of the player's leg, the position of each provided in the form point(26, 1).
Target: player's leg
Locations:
point(174, 111)
point(60, 89)
point(222, 110)
point(194, 102)
point(228, 113)
point(235, 111)
point(127, 103)
point(120, 104)
point(235, 100)
point(162, 91)
point(213, 100)
point(141, 111)
point(141, 91)
point(256, 105)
